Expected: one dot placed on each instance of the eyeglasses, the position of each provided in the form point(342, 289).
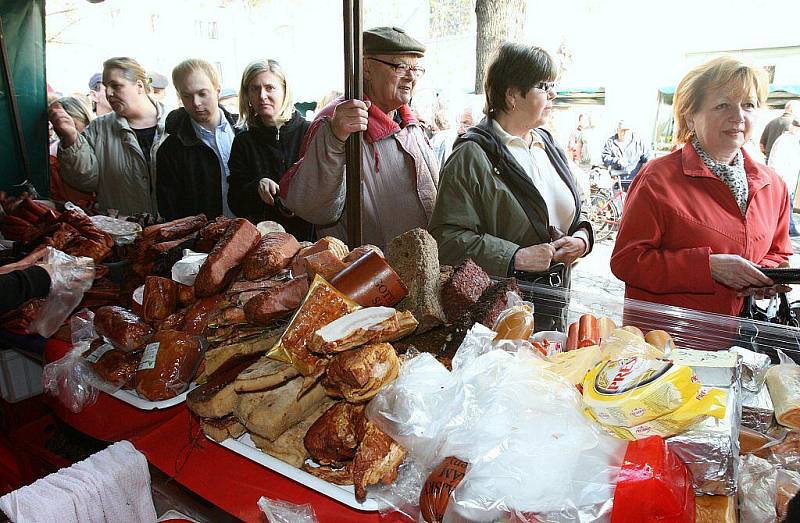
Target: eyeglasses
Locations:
point(403, 69)
point(546, 86)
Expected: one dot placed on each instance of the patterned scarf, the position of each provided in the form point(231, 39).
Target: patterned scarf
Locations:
point(731, 175)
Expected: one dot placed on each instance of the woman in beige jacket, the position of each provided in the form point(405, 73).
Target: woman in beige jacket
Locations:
point(115, 155)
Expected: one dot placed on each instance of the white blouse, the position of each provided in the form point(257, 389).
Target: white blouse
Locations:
point(534, 161)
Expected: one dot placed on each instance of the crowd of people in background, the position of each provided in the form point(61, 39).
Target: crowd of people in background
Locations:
point(486, 177)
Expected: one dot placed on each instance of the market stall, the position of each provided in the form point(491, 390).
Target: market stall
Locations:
point(363, 382)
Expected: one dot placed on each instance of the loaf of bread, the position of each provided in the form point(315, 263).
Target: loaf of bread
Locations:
point(415, 258)
point(463, 289)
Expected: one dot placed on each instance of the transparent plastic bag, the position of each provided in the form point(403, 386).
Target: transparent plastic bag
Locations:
point(70, 278)
point(70, 378)
point(787, 486)
point(278, 511)
point(757, 490)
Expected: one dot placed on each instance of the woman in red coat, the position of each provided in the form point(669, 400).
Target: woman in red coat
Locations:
point(699, 222)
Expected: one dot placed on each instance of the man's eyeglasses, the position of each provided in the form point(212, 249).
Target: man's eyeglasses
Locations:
point(546, 86)
point(403, 69)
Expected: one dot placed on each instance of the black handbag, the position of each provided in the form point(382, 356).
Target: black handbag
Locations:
point(784, 314)
point(550, 305)
point(554, 276)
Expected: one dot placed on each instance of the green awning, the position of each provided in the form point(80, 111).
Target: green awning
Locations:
point(23, 26)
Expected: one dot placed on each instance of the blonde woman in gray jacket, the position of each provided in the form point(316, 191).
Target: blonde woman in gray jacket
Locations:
point(115, 155)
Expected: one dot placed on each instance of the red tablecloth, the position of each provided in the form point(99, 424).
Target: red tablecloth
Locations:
point(109, 419)
point(230, 481)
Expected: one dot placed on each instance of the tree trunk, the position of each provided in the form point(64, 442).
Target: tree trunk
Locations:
point(497, 21)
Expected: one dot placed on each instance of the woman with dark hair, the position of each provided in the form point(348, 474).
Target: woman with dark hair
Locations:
point(507, 198)
point(268, 146)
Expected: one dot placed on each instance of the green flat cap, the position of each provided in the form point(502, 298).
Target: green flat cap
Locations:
point(391, 40)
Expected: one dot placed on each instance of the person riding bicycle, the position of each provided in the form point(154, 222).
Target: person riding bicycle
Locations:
point(625, 153)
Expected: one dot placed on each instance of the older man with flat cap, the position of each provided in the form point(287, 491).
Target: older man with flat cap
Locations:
point(400, 171)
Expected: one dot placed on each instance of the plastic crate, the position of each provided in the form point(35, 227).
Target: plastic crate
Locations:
point(20, 377)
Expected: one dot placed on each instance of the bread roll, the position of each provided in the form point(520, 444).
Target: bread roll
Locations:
point(660, 340)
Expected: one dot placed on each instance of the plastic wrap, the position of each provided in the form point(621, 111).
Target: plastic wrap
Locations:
point(122, 231)
point(277, 511)
point(168, 365)
point(70, 278)
point(690, 329)
point(757, 490)
point(185, 270)
point(518, 425)
point(124, 329)
point(115, 367)
point(71, 378)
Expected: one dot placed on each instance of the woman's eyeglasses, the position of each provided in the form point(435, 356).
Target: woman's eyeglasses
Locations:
point(403, 69)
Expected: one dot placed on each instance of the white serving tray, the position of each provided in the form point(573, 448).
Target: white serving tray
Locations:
point(131, 398)
point(244, 446)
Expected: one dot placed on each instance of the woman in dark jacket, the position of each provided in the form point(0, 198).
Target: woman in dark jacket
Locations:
point(270, 145)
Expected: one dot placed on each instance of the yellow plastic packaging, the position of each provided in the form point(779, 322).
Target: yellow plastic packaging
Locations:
point(630, 391)
point(709, 401)
point(322, 305)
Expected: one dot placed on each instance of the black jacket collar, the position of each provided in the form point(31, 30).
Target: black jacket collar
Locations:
point(179, 123)
point(271, 134)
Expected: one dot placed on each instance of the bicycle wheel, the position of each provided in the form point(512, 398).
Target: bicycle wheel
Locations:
point(604, 216)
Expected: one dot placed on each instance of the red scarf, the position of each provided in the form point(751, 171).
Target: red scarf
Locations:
point(379, 126)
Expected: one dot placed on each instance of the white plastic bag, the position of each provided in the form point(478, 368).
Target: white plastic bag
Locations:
point(282, 512)
point(521, 429)
point(70, 278)
point(185, 270)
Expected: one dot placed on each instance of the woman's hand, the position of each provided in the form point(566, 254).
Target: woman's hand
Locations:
point(535, 258)
point(568, 249)
point(267, 189)
point(737, 273)
point(349, 117)
point(63, 124)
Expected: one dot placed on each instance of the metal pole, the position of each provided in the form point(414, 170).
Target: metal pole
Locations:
point(353, 86)
point(12, 100)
